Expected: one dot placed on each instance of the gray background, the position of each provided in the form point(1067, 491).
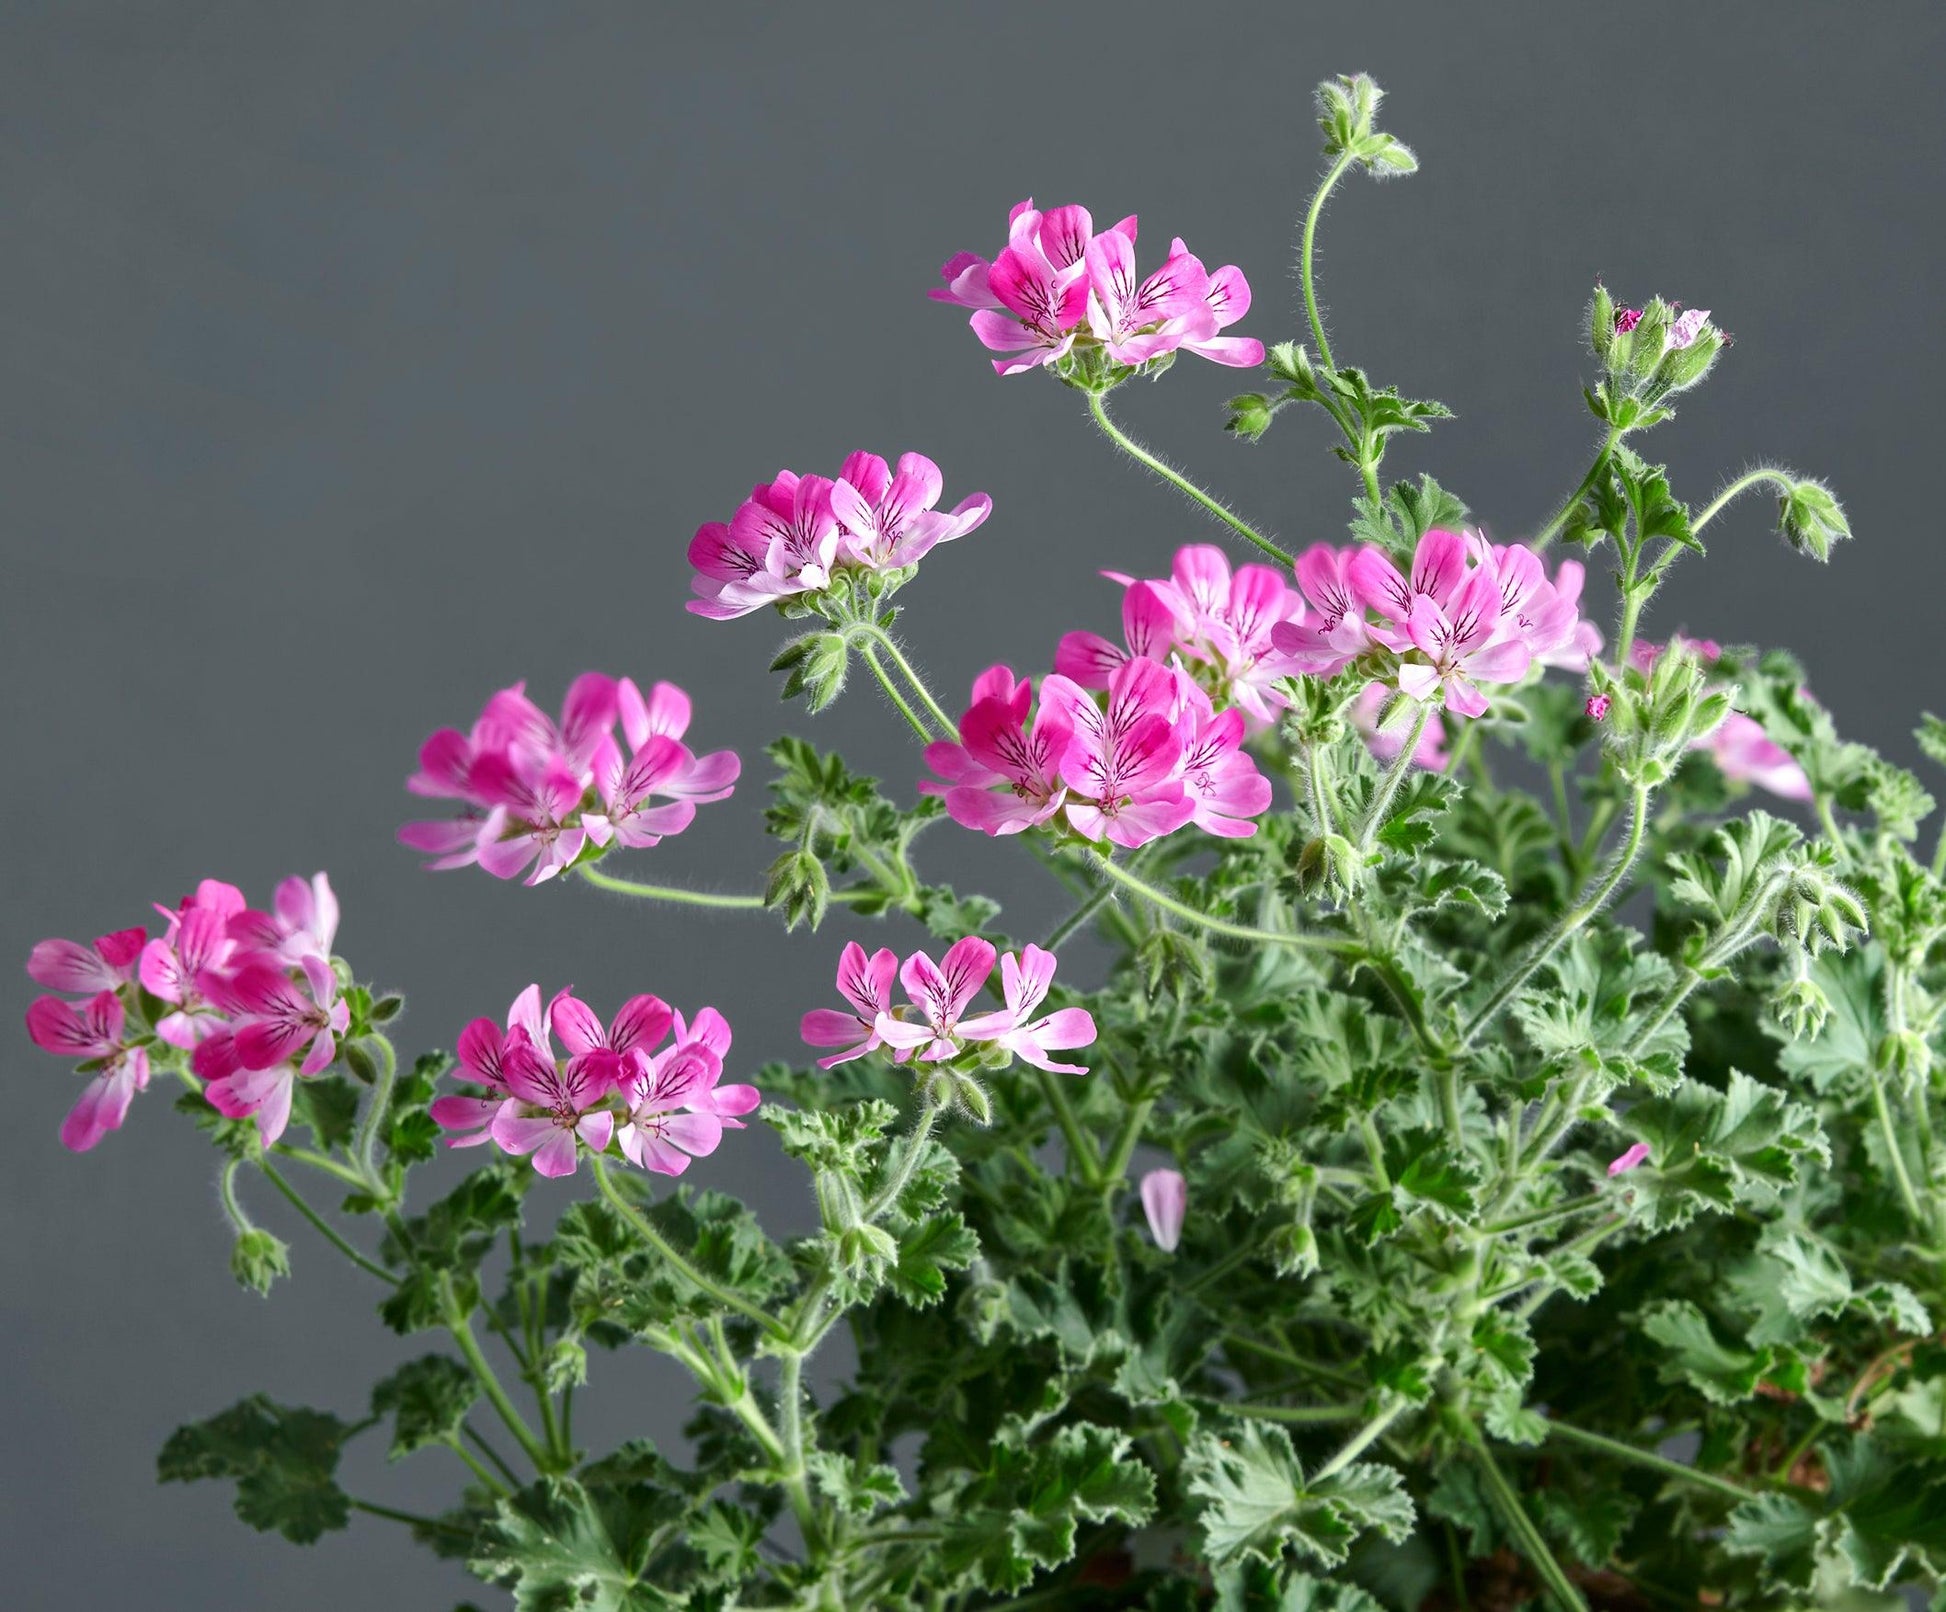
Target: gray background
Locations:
point(359, 359)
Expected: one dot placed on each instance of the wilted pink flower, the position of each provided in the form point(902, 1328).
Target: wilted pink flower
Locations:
point(1024, 982)
point(91, 1032)
point(1165, 1201)
point(866, 983)
point(1384, 720)
point(1465, 643)
point(536, 792)
point(67, 965)
point(196, 945)
point(1628, 1161)
point(1686, 327)
point(940, 993)
point(1004, 774)
point(1597, 707)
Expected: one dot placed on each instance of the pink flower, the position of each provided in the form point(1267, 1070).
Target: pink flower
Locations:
point(196, 945)
point(1024, 982)
point(1628, 1161)
point(274, 1021)
point(1038, 288)
point(303, 922)
point(1332, 632)
point(1626, 319)
point(91, 1032)
point(1220, 782)
point(1121, 768)
point(1134, 321)
point(1438, 566)
point(783, 540)
point(886, 521)
point(1745, 753)
point(1226, 623)
point(1004, 774)
point(1165, 1201)
point(1465, 643)
point(674, 1106)
point(1228, 296)
point(866, 983)
point(1384, 729)
point(537, 792)
point(1543, 614)
point(483, 1051)
point(553, 1104)
point(67, 965)
point(1150, 628)
point(1597, 707)
point(940, 993)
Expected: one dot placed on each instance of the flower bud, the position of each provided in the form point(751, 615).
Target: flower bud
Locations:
point(565, 1365)
point(971, 1098)
point(1801, 1007)
point(1905, 1055)
point(258, 1259)
point(1812, 519)
point(799, 888)
point(1596, 709)
point(1293, 1249)
point(1249, 415)
point(1601, 322)
point(817, 663)
point(863, 1245)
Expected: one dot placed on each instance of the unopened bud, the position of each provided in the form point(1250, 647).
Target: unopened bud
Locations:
point(1812, 519)
point(1597, 707)
point(798, 888)
point(258, 1259)
point(972, 1099)
point(1801, 1008)
point(863, 1245)
point(1905, 1055)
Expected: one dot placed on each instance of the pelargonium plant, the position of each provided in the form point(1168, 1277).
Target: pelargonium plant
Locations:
point(1499, 1163)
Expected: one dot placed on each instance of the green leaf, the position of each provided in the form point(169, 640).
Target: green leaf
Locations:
point(560, 1546)
point(1711, 1150)
point(328, 1108)
point(855, 1486)
point(1256, 1499)
point(1722, 1374)
point(284, 1460)
point(936, 1245)
point(427, 1399)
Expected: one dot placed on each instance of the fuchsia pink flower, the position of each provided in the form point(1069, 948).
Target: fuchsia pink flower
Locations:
point(1597, 707)
point(251, 995)
point(660, 1108)
point(1004, 774)
point(796, 534)
point(1165, 1203)
point(1465, 643)
point(1057, 286)
point(536, 793)
point(934, 1022)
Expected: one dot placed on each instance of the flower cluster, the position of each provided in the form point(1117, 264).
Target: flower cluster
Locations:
point(537, 793)
point(1148, 757)
point(798, 534)
point(933, 1024)
point(1741, 749)
point(1057, 287)
point(250, 996)
point(660, 1108)
point(1467, 612)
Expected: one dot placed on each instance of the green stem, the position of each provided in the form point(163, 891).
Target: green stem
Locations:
point(324, 1228)
point(1325, 186)
point(410, 1518)
point(1116, 1165)
point(319, 1161)
point(1388, 785)
point(377, 1101)
point(640, 1224)
point(926, 735)
point(1568, 924)
point(1736, 488)
point(664, 892)
point(1541, 1217)
point(1182, 484)
point(1217, 926)
point(461, 1329)
point(1895, 1150)
point(1297, 1362)
point(1360, 1441)
point(479, 1470)
point(1298, 1415)
point(890, 645)
point(1552, 529)
point(1096, 899)
point(1649, 1459)
point(1080, 1145)
point(915, 1148)
point(1533, 1546)
point(1318, 789)
point(491, 1453)
point(790, 1407)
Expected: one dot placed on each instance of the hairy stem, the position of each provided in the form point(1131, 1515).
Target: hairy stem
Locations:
point(1360, 1441)
point(1307, 250)
point(1522, 1527)
point(642, 1228)
point(890, 645)
point(1141, 455)
point(1165, 902)
point(377, 1102)
point(885, 682)
point(1552, 529)
point(1388, 785)
point(1755, 478)
point(1569, 923)
point(461, 1328)
point(663, 892)
point(324, 1228)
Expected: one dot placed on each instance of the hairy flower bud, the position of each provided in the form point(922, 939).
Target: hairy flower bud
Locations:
point(1904, 1055)
point(257, 1259)
point(1812, 519)
point(1801, 1007)
point(798, 887)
